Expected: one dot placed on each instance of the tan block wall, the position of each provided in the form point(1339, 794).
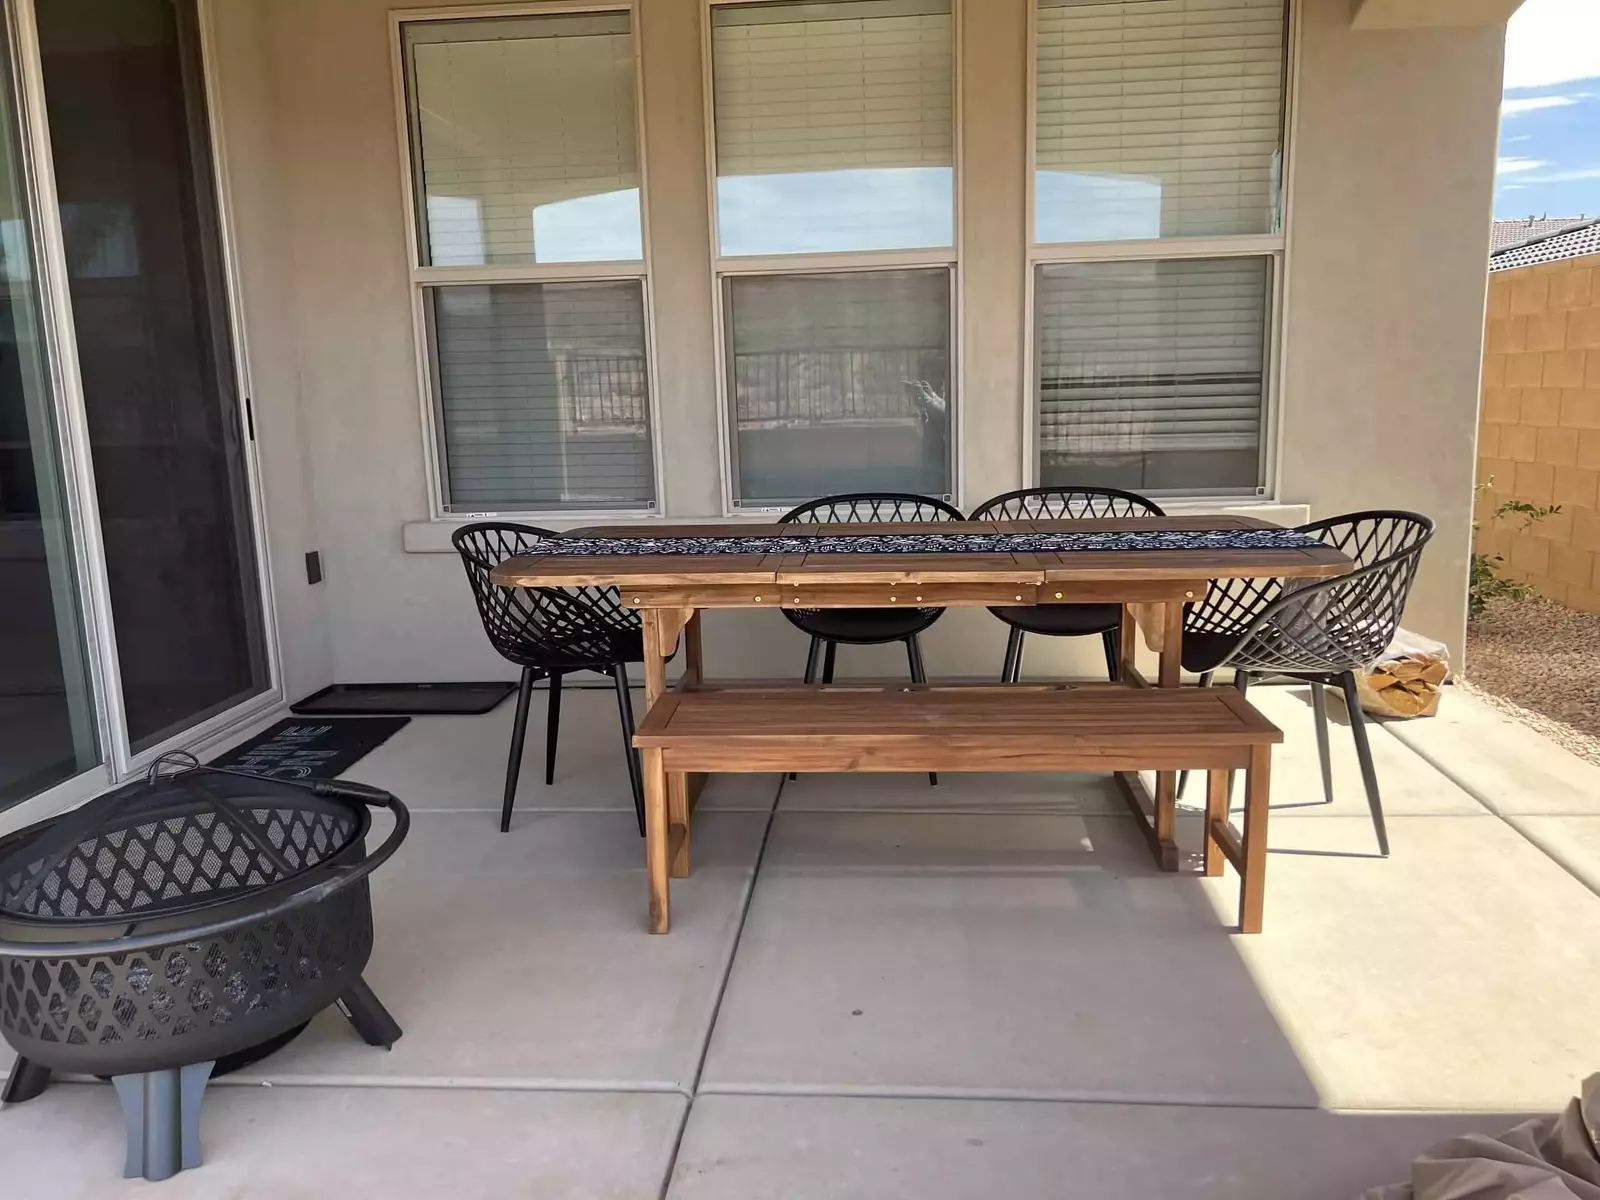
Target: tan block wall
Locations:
point(1539, 425)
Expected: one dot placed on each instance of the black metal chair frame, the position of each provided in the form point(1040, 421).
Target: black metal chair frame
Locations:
point(550, 633)
point(1321, 632)
point(867, 508)
point(1056, 503)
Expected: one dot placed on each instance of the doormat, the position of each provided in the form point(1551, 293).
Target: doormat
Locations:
point(404, 699)
point(301, 749)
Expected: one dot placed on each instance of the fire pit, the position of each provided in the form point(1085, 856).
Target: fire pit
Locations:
point(192, 916)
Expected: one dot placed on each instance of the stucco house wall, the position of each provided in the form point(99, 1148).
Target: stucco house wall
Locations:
point(1539, 436)
point(1379, 359)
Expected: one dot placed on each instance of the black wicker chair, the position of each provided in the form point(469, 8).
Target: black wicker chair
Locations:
point(1319, 632)
point(829, 627)
point(550, 632)
point(1063, 620)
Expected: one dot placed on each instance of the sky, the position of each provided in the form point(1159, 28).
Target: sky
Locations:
point(1550, 117)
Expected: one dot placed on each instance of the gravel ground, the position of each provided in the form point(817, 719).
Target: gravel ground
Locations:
point(1539, 662)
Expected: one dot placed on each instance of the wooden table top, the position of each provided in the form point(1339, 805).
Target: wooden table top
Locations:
point(668, 571)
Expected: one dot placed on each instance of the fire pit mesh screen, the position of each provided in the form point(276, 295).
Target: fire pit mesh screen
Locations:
point(147, 864)
point(172, 992)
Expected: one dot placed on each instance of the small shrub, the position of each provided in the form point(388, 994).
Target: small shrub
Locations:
point(1485, 583)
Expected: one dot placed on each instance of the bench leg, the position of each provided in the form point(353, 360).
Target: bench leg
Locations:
point(1216, 811)
point(657, 834)
point(1253, 885)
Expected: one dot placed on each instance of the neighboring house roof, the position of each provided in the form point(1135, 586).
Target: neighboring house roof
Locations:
point(1570, 243)
point(1506, 234)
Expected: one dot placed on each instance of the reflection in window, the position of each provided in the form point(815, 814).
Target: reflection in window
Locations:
point(1182, 95)
point(839, 383)
point(524, 145)
point(589, 229)
point(833, 125)
point(885, 208)
point(1150, 375)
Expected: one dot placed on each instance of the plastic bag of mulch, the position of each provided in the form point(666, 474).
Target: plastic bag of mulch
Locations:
point(1406, 679)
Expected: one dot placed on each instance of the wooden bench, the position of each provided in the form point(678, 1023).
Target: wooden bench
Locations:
point(840, 727)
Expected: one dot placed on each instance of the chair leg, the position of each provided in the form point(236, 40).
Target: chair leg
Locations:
point(519, 734)
point(1183, 776)
point(828, 656)
point(1112, 640)
point(918, 675)
point(1319, 711)
point(1012, 667)
point(1369, 776)
point(619, 676)
point(552, 729)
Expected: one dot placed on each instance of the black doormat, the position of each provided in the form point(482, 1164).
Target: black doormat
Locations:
point(315, 749)
point(409, 699)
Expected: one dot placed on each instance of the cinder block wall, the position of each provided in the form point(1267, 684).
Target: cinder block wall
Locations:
point(1539, 425)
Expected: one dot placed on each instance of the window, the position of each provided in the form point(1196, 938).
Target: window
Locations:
point(835, 232)
point(1157, 241)
point(530, 261)
point(1150, 373)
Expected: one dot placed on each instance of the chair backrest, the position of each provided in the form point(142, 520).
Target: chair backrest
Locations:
point(1060, 503)
point(1341, 624)
point(542, 627)
point(866, 508)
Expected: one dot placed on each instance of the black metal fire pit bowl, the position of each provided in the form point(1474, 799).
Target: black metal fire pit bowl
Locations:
point(199, 914)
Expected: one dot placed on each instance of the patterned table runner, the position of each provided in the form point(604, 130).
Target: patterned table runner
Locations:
point(934, 543)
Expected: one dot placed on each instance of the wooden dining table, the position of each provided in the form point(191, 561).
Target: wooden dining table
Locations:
point(1152, 584)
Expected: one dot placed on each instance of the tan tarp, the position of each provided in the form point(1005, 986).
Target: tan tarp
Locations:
point(1547, 1158)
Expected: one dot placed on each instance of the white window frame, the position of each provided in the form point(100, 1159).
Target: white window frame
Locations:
point(423, 277)
point(1272, 246)
point(724, 266)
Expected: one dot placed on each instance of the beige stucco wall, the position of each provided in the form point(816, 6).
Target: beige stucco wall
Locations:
point(1382, 316)
point(1393, 171)
point(1539, 437)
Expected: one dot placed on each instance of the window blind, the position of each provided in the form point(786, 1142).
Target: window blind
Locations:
point(524, 141)
point(839, 382)
point(1158, 118)
point(1150, 374)
point(833, 125)
point(543, 395)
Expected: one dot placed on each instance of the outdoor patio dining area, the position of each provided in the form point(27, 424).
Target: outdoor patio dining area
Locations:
point(878, 988)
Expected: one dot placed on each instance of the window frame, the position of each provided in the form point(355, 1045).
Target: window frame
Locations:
point(724, 266)
point(1271, 246)
point(423, 278)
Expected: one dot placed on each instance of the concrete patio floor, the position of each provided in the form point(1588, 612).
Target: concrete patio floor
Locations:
point(876, 988)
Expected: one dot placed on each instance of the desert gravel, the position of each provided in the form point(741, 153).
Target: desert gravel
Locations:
point(1539, 661)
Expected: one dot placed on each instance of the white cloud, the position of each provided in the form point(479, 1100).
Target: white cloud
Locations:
point(1511, 166)
point(1513, 108)
point(1564, 176)
point(1553, 41)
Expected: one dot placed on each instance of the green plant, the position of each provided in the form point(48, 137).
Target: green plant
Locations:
point(1484, 582)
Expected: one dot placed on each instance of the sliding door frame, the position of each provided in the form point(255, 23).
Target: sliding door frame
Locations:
point(118, 760)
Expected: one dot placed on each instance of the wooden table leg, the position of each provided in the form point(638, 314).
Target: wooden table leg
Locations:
point(1216, 813)
point(1253, 886)
point(1128, 635)
point(1169, 676)
point(694, 674)
point(667, 809)
point(657, 835)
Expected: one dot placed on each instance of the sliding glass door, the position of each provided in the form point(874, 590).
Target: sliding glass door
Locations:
point(48, 730)
point(130, 146)
point(131, 604)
